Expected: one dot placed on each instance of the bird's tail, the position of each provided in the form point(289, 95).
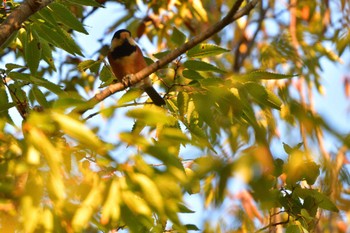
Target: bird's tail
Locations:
point(155, 97)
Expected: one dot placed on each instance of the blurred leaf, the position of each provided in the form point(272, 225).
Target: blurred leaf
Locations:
point(161, 54)
point(85, 2)
point(32, 52)
point(62, 14)
point(294, 229)
point(79, 132)
point(178, 37)
point(11, 66)
point(200, 10)
point(40, 97)
point(130, 95)
point(192, 227)
point(59, 38)
point(262, 75)
point(88, 207)
point(111, 207)
point(201, 66)
point(184, 209)
point(262, 95)
point(150, 192)
point(136, 204)
point(205, 50)
point(151, 116)
point(5, 105)
point(192, 74)
point(321, 199)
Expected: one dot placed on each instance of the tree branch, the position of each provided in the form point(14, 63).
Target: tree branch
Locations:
point(231, 16)
point(14, 21)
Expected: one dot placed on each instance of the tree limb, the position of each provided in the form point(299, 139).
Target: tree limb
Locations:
point(231, 16)
point(14, 21)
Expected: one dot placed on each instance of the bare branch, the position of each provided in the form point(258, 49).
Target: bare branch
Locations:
point(231, 16)
point(14, 21)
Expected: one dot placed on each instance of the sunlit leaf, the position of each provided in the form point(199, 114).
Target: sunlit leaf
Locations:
point(201, 66)
point(192, 74)
point(79, 132)
point(85, 2)
point(62, 14)
point(178, 37)
point(206, 50)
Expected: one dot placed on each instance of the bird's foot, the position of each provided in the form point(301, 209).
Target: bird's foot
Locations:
point(127, 80)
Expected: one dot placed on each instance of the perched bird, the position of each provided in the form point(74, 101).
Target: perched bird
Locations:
point(126, 58)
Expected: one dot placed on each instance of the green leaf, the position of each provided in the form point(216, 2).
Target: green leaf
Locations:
point(192, 227)
point(85, 2)
point(39, 96)
point(161, 54)
point(185, 209)
point(32, 52)
point(106, 75)
point(201, 66)
point(182, 103)
point(87, 64)
point(130, 95)
point(262, 75)
point(5, 105)
point(62, 14)
point(59, 38)
point(79, 132)
point(321, 199)
point(293, 229)
point(262, 95)
point(192, 74)
point(178, 37)
point(151, 116)
point(11, 66)
point(205, 50)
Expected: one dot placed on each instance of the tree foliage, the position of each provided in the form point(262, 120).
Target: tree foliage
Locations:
point(233, 103)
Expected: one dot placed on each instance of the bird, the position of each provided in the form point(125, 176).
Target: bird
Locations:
point(126, 58)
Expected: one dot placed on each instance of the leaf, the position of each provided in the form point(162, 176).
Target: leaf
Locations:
point(32, 52)
point(192, 74)
point(84, 213)
point(182, 103)
point(40, 97)
point(262, 95)
point(111, 207)
point(11, 66)
point(200, 10)
point(161, 54)
point(59, 38)
point(262, 75)
point(201, 66)
point(205, 50)
point(106, 75)
point(293, 229)
point(184, 209)
point(178, 37)
point(321, 199)
point(151, 116)
point(5, 105)
point(85, 2)
point(130, 95)
point(87, 64)
point(62, 14)
point(150, 191)
point(79, 132)
point(192, 227)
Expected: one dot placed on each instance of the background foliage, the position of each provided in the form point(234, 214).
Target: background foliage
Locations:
point(231, 103)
